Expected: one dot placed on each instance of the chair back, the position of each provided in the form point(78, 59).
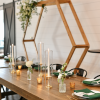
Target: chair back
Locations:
point(22, 58)
point(58, 66)
point(80, 71)
point(96, 76)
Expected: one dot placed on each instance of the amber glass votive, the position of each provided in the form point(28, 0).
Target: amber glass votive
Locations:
point(19, 67)
point(39, 80)
point(72, 85)
point(18, 72)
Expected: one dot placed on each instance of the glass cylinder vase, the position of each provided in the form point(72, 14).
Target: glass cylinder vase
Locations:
point(40, 59)
point(48, 68)
point(13, 58)
point(62, 87)
point(28, 75)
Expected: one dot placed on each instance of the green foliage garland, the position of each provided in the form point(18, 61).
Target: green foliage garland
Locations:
point(27, 9)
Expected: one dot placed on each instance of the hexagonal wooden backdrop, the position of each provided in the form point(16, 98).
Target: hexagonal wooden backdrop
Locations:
point(74, 45)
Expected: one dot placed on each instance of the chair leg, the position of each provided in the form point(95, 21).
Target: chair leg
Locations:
point(21, 98)
point(7, 89)
point(2, 88)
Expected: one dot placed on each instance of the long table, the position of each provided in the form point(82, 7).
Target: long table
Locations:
point(32, 91)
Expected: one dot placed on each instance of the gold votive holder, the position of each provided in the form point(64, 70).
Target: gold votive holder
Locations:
point(39, 80)
point(20, 67)
point(18, 72)
point(72, 85)
point(49, 82)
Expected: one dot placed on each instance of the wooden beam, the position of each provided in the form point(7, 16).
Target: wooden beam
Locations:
point(25, 28)
point(70, 56)
point(31, 40)
point(78, 23)
point(51, 2)
point(25, 52)
point(38, 23)
point(81, 46)
point(65, 23)
point(24, 38)
point(81, 59)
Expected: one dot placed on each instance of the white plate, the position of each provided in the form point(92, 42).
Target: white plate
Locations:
point(89, 79)
point(80, 95)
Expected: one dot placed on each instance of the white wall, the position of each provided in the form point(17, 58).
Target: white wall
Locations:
point(54, 36)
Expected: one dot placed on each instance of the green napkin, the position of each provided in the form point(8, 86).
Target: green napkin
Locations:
point(94, 96)
point(68, 73)
point(91, 82)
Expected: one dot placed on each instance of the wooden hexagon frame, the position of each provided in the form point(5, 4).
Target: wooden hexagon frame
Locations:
point(74, 46)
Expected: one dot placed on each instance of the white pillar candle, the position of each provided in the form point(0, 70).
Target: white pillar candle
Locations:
point(48, 64)
point(40, 54)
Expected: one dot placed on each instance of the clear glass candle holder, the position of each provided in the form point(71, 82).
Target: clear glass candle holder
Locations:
point(72, 85)
point(13, 58)
point(18, 72)
point(39, 80)
point(48, 68)
point(40, 59)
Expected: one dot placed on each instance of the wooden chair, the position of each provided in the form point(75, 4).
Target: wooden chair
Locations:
point(80, 71)
point(58, 66)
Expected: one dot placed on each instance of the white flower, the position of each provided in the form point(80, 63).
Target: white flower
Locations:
point(27, 1)
point(23, 1)
point(17, 14)
point(18, 7)
point(59, 70)
point(29, 63)
point(33, 11)
point(24, 7)
point(9, 56)
point(20, 19)
point(59, 76)
point(28, 8)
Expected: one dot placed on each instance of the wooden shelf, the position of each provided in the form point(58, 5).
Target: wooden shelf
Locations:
point(81, 46)
point(30, 40)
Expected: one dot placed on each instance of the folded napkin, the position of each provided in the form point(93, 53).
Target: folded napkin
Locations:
point(66, 73)
point(25, 67)
point(88, 93)
point(97, 81)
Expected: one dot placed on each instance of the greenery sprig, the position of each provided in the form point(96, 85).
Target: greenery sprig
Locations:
point(27, 8)
point(62, 74)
